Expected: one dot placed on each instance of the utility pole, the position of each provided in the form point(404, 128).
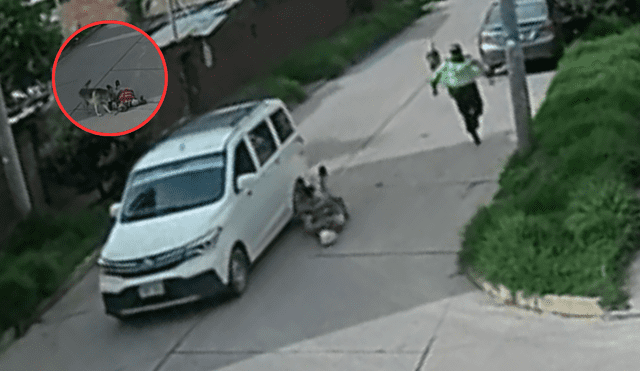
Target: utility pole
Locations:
point(517, 74)
point(173, 21)
point(11, 162)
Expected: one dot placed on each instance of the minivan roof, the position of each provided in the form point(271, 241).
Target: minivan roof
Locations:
point(204, 134)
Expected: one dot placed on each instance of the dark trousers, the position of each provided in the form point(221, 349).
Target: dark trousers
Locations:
point(469, 104)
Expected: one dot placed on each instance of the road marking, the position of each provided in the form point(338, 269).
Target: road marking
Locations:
point(116, 38)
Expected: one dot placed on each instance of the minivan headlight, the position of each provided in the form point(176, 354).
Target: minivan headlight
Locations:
point(204, 243)
point(489, 39)
point(546, 30)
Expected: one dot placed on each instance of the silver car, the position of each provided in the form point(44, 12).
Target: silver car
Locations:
point(538, 27)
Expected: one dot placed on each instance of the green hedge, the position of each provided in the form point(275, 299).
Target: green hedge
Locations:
point(40, 254)
point(566, 218)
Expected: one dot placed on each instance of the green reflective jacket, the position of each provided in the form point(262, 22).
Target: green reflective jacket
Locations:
point(456, 74)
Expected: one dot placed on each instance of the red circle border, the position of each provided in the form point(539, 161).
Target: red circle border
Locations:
point(55, 65)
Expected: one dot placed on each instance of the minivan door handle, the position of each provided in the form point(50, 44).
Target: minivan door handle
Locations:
point(277, 161)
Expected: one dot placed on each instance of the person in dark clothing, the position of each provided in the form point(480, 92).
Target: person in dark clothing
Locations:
point(459, 74)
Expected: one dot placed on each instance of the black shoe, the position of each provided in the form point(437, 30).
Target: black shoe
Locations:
point(476, 138)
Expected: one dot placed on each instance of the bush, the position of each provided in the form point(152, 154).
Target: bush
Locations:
point(566, 219)
point(354, 43)
point(589, 84)
point(43, 268)
point(32, 232)
point(611, 49)
point(312, 64)
point(484, 219)
point(285, 89)
point(606, 25)
point(602, 151)
point(603, 209)
point(537, 188)
point(43, 251)
point(603, 221)
point(521, 252)
point(19, 297)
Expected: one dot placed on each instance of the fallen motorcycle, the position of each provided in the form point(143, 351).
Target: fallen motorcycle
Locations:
point(323, 215)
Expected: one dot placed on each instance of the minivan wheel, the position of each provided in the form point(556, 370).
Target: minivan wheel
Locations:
point(238, 272)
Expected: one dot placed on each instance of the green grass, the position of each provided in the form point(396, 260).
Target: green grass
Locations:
point(566, 218)
point(41, 253)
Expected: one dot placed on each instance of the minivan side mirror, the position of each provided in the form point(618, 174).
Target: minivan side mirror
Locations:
point(114, 210)
point(246, 180)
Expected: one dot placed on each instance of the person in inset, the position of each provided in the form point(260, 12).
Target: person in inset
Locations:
point(459, 74)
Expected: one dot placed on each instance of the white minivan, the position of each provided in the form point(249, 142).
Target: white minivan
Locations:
point(200, 207)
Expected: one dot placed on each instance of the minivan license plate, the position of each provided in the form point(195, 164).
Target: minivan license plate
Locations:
point(152, 289)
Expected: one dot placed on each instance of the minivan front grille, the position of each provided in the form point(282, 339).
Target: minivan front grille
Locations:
point(145, 266)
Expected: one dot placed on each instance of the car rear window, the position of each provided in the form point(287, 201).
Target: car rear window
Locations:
point(524, 11)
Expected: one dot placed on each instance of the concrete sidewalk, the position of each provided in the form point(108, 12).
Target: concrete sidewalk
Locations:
point(465, 332)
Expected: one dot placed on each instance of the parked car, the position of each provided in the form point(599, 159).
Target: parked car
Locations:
point(200, 207)
point(539, 28)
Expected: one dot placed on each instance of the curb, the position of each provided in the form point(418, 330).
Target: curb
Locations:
point(566, 305)
point(14, 333)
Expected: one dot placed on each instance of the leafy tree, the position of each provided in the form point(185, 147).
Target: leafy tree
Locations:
point(88, 162)
point(30, 41)
point(583, 13)
point(586, 8)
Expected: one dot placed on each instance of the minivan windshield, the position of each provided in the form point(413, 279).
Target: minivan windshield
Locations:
point(174, 187)
point(524, 11)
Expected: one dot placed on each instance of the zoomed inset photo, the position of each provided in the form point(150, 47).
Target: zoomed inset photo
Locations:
point(110, 78)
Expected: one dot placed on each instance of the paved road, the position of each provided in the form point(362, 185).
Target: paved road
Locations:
point(412, 179)
point(113, 52)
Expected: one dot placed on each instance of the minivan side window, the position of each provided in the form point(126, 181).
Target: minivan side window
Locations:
point(263, 142)
point(243, 163)
point(282, 124)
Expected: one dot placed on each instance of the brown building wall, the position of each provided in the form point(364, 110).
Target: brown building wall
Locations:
point(281, 27)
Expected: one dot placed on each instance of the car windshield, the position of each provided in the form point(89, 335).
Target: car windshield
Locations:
point(174, 187)
point(524, 11)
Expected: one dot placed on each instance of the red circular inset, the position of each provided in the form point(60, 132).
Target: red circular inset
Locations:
point(55, 91)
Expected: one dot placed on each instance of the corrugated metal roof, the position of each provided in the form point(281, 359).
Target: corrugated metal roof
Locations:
point(199, 23)
point(157, 7)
